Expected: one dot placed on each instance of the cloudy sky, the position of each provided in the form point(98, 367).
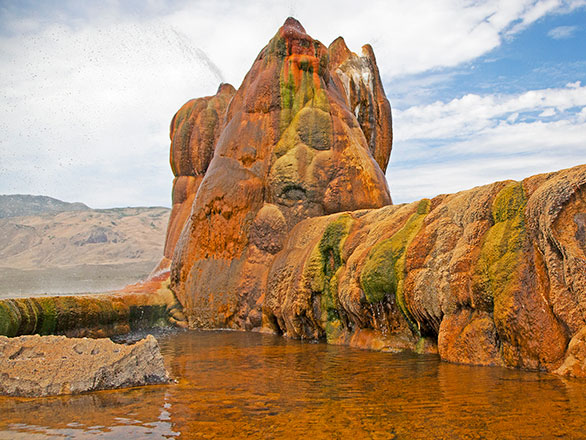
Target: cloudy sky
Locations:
point(481, 90)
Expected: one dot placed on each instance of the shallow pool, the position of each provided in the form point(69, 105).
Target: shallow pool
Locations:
point(248, 385)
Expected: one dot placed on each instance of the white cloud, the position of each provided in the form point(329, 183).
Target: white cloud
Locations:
point(430, 179)
point(533, 11)
point(547, 113)
point(562, 32)
point(408, 37)
point(466, 116)
point(475, 140)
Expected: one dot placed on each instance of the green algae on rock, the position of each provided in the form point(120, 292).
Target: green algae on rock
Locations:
point(492, 276)
point(290, 139)
point(95, 315)
point(461, 271)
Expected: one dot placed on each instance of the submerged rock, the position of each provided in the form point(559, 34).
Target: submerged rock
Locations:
point(36, 365)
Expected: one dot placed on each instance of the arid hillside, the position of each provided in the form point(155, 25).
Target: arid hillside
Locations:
point(19, 205)
point(79, 251)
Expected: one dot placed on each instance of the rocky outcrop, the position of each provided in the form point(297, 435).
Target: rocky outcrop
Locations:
point(491, 276)
point(52, 365)
point(359, 78)
point(291, 229)
point(195, 129)
point(301, 138)
point(282, 223)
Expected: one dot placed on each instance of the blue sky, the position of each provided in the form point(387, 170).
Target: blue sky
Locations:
point(481, 90)
point(541, 59)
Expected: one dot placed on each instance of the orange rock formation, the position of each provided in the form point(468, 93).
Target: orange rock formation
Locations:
point(195, 129)
point(282, 222)
point(291, 148)
point(495, 275)
point(290, 229)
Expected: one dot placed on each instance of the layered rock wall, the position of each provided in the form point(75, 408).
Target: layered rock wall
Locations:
point(492, 276)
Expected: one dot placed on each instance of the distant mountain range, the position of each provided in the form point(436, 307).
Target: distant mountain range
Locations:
point(18, 205)
point(51, 246)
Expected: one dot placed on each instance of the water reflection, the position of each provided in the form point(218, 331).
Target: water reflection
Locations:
point(104, 415)
point(240, 385)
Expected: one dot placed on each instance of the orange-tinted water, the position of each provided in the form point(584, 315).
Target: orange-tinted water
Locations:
point(245, 385)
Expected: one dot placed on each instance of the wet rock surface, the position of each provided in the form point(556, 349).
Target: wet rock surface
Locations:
point(33, 366)
point(195, 129)
point(495, 275)
point(292, 230)
point(308, 133)
point(142, 305)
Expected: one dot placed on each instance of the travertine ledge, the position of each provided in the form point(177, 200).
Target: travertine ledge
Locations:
point(32, 366)
point(143, 305)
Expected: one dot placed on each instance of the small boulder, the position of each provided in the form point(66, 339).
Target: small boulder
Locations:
point(33, 366)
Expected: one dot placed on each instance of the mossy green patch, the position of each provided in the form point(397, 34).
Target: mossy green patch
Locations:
point(501, 248)
point(277, 47)
point(288, 101)
point(295, 96)
point(324, 266)
point(28, 316)
point(48, 316)
point(66, 314)
point(329, 298)
point(58, 315)
point(383, 272)
point(420, 345)
point(288, 141)
point(330, 249)
point(509, 203)
point(313, 270)
point(311, 127)
point(334, 330)
point(83, 312)
point(287, 171)
point(332, 242)
point(9, 319)
point(378, 277)
point(23, 316)
point(315, 128)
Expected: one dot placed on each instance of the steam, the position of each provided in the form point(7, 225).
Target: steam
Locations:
point(196, 54)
